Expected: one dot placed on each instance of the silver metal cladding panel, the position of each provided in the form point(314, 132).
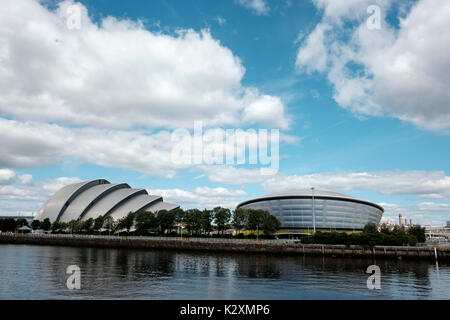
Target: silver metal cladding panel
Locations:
point(307, 193)
point(57, 204)
point(329, 214)
point(134, 204)
point(88, 198)
point(162, 206)
point(111, 201)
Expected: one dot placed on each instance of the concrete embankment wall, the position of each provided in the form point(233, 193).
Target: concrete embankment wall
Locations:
point(242, 246)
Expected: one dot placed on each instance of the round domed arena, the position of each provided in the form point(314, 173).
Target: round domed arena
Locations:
point(301, 210)
point(94, 198)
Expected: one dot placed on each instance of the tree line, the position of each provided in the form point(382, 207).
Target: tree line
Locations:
point(11, 225)
point(370, 236)
point(195, 222)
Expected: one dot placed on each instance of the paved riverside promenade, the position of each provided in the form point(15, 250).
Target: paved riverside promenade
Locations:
point(280, 247)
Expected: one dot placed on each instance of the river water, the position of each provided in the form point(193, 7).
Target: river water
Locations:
point(39, 272)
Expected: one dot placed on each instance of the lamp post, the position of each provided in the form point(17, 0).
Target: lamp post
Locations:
point(314, 210)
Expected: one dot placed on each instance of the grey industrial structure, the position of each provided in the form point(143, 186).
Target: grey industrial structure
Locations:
point(90, 199)
point(317, 210)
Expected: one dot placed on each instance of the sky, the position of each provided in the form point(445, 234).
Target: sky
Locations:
point(359, 91)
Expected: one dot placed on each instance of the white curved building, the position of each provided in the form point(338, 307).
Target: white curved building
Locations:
point(320, 210)
point(90, 199)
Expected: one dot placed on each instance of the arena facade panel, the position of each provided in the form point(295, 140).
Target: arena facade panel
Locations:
point(316, 209)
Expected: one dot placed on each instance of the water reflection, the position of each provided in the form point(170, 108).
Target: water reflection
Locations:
point(39, 272)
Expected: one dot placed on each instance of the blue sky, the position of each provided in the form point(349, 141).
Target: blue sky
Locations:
point(362, 111)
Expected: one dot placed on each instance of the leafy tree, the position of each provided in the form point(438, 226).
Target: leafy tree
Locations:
point(98, 223)
point(35, 224)
point(240, 216)
point(206, 219)
point(7, 225)
point(109, 224)
point(255, 219)
point(74, 226)
point(221, 217)
point(270, 224)
point(166, 220)
point(385, 229)
point(87, 225)
point(21, 222)
point(145, 221)
point(179, 216)
point(126, 222)
point(412, 240)
point(46, 224)
point(370, 227)
point(193, 221)
point(56, 226)
point(418, 232)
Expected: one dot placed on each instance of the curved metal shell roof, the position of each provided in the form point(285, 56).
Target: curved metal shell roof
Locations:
point(78, 208)
point(134, 204)
point(55, 207)
point(163, 206)
point(90, 199)
point(308, 193)
point(107, 204)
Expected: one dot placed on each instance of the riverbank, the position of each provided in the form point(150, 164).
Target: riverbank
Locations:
point(280, 247)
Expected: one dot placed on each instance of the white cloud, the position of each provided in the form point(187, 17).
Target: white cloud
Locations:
point(233, 175)
point(202, 197)
point(423, 184)
point(25, 195)
point(25, 188)
point(400, 72)
point(259, 7)
point(26, 179)
point(219, 191)
point(433, 206)
point(312, 55)
point(31, 144)
point(6, 176)
point(118, 74)
point(34, 144)
point(221, 20)
point(264, 109)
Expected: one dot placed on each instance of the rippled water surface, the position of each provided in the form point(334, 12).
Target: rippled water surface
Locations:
point(39, 272)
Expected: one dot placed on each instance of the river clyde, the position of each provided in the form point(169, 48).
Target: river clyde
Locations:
point(39, 272)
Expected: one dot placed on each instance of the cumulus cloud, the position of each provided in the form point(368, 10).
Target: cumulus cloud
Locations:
point(117, 74)
point(202, 197)
point(25, 188)
point(6, 176)
point(27, 144)
point(423, 184)
point(24, 195)
point(258, 7)
point(31, 144)
point(399, 72)
point(233, 175)
point(434, 206)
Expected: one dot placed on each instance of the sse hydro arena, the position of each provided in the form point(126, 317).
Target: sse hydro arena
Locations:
point(316, 209)
point(90, 199)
